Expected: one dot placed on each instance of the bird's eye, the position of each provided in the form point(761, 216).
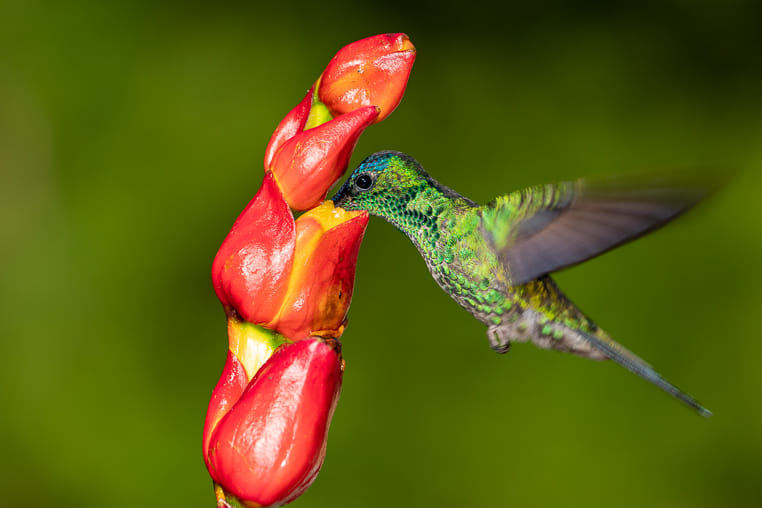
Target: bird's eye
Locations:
point(364, 182)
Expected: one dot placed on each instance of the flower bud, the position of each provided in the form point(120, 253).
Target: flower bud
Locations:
point(295, 278)
point(250, 346)
point(250, 272)
point(320, 287)
point(269, 447)
point(374, 71)
point(309, 163)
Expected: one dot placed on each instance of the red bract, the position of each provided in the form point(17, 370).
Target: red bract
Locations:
point(321, 284)
point(286, 283)
point(292, 124)
point(370, 71)
point(310, 162)
point(249, 348)
point(294, 277)
point(229, 388)
point(250, 271)
point(269, 447)
point(311, 147)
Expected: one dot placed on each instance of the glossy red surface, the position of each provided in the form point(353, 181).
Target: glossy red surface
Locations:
point(229, 388)
point(373, 71)
point(250, 272)
point(270, 446)
point(322, 291)
point(308, 164)
point(290, 126)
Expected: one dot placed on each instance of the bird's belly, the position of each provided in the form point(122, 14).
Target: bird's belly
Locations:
point(536, 312)
point(531, 326)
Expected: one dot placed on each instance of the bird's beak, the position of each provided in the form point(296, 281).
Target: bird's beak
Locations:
point(340, 197)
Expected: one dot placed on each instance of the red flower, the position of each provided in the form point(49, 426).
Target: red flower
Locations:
point(269, 446)
point(370, 71)
point(287, 284)
point(309, 163)
point(250, 346)
point(250, 271)
point(311, 147)
point(294, 277)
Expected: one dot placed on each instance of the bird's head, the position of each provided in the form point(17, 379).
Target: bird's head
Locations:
point(382, 183)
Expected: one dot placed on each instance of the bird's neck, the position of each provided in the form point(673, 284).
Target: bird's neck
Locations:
point(419, 214)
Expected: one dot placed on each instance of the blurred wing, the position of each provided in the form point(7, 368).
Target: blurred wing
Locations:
point(545, 228)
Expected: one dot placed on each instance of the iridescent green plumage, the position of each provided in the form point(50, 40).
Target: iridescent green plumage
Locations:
point(494, 259)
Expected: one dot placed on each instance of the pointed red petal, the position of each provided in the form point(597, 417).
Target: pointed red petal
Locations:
point(290, 126)
point(229, 388)
point(250, 272)
point(323, 278)
point(308, 164)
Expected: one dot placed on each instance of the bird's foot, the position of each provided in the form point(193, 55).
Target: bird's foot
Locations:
point(498, 339)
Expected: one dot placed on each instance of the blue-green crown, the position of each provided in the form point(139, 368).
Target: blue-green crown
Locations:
point(381, 160)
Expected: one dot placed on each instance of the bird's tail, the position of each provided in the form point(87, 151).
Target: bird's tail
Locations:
point(636, 365)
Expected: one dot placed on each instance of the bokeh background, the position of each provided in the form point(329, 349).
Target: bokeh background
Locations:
point(132, 134)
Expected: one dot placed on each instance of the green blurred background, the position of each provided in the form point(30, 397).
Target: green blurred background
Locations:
point(132, 134)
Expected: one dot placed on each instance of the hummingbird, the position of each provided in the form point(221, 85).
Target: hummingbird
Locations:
point(494, 260)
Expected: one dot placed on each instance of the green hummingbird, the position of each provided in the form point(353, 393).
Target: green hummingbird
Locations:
point(494, 259)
